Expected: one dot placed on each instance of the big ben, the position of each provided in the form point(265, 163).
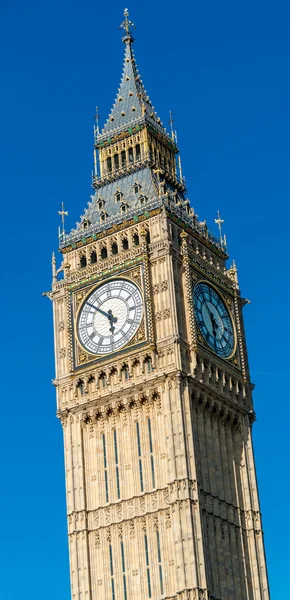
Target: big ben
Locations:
point(153, 386)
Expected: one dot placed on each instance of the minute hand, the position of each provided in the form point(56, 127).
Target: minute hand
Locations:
point(109, 316)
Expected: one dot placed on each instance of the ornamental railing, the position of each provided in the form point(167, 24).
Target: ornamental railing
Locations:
point(134, 213)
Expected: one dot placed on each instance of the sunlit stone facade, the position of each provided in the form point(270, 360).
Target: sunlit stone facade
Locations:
point(162, 498)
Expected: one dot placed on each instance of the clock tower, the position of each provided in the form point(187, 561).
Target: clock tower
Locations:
point(153, 386)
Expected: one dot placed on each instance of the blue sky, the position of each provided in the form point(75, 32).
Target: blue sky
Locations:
point(223, 69)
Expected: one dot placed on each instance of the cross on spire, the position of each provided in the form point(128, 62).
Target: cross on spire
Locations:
point(219, 223)
point(127, 25)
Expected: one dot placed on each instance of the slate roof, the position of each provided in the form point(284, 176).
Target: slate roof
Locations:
point(132, 101)
point(146, 181)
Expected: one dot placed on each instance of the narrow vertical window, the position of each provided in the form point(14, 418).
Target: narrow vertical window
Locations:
point(159, 563)
point(151, 453)
point(147, 565)
point(112, 572)
point(105, 468)
point(116, 162)
point(124, 571)
point(138, 152)
point(117, 464)
point(139, 456)
point(149, 363)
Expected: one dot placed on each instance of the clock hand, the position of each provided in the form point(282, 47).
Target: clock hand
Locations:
point(111, 317)
point(106, 314)
point(214, 324)
point(212, 320)
point(112, 320)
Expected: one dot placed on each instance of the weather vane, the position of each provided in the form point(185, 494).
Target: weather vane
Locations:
point(127, 24)
point(219, 223)
point(63, 214)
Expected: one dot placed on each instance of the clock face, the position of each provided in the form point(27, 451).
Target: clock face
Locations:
point(214, 321)
point(110, 316)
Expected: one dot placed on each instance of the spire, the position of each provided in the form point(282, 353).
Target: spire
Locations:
point(132, 103)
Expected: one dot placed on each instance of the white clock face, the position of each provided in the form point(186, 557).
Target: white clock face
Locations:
point(110, 316)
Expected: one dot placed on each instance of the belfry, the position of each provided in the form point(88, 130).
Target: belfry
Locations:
point(153, 386)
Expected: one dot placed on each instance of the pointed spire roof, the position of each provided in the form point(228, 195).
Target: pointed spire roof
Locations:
point(132, 103)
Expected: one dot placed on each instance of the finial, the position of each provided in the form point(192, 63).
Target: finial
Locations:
point(233, 274)
point(96, 133)
point(63, 213)
point(97, 117)
point(158, 171)
point(171, 121)
point(178, 158)
point(126, 25)
point(219, 223)
point(53, 265)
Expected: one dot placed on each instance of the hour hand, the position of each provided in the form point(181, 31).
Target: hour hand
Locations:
point(213, 322)
point(111, 317)
point(112, 320)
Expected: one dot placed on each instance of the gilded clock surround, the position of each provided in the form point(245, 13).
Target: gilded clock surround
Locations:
point(160, 475)
point(229, 304)
point(82, 356)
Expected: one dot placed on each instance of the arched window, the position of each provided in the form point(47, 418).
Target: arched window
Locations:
point(109, 164)
point(131, 156)
point(148, 237)
point(81, 387)
point(136, 240)
point(83, 262)
point(136, 367)
point(104, 253)
point(138, 152)
point(123, 158)
point(125, 371)
point(113, 376)
point(125, 244)
point(148, 363)
point(86, 224)
point(143, 200)
point(118, 196)
point(103, 380)
point(91, 381)
point(116, 161)
point(136, 188)
point(114, 248)
point(93, 257)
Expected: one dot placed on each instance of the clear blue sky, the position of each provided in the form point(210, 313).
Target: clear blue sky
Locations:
point(223, 69)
